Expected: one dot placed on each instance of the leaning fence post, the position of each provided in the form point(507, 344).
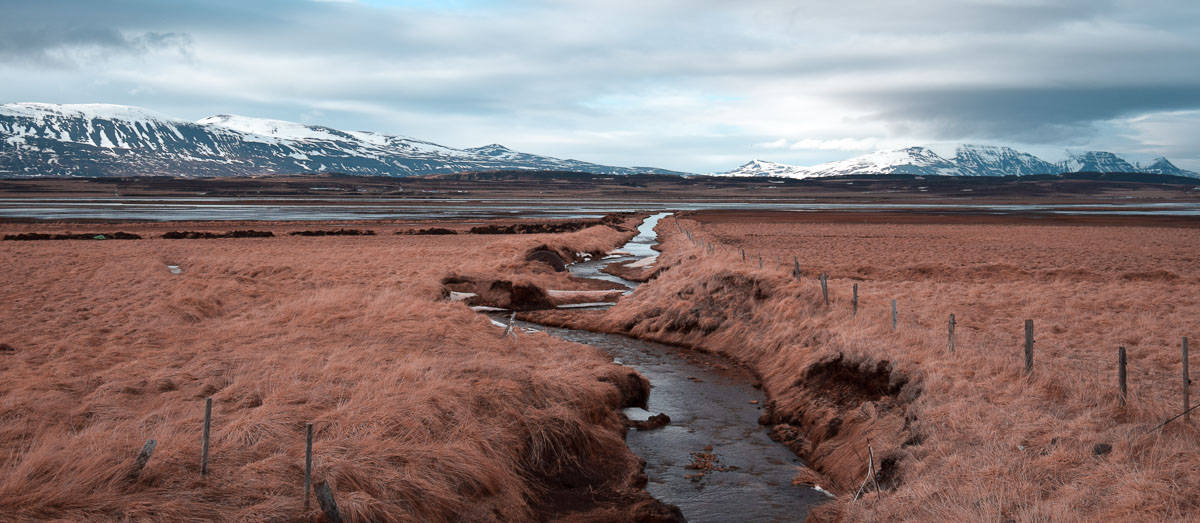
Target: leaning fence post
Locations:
point(328, 505)
point(1029, 346)
point(1187, 402)
point(307, 464)
point(796, 269)
point(204, 437)
point(825, 288)
point(893, 315)
point(951, 330)
point(1121, 373)
point(854, 301)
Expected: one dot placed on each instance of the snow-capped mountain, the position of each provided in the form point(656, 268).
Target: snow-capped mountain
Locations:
point(1096, 162)
point(986, 160)
point(912, 160)
point(969, 160)
point(1161, 165)
point(765, 168)
point(111, 140)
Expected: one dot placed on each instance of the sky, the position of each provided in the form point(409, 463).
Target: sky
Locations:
point(696, 85)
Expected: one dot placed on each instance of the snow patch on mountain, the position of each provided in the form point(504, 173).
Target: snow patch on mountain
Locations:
point(42, 111)
point(273, 131)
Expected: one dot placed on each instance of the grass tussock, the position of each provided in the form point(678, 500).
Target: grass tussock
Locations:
point(964, 435)
point(421, 411)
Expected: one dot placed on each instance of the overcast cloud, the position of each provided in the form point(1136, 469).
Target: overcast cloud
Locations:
point(691, 85)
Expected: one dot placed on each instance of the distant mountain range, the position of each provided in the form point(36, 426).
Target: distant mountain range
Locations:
point(39, 139)
point(111, 140)
point(968, 160)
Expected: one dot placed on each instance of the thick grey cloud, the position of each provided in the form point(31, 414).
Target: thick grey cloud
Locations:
point(690, 85)
point(1066, 115)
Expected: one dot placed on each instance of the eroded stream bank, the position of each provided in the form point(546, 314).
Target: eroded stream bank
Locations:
point(713, 460)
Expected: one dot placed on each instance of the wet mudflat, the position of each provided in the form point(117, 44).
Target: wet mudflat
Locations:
point(366, 208)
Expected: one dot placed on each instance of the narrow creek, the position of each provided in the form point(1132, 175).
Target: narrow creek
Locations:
point(714, 411)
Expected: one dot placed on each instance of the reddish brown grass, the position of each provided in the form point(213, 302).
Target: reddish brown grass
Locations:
point(421, 410)
point(963, 436)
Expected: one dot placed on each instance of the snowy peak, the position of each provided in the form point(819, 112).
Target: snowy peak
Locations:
point(990, 160)
point(1096, 162)
point(494, 150)
point(909, 160)
point(1162, 165)
point(762, 168)
point(969, 160)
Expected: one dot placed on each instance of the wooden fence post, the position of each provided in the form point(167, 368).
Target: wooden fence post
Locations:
point(1121, 373)
point(1187, 382)
point(143, 457)
point(759, 261)
point(307, 464)
point(1028, 346)
point(204, 437)
point(893, 315)
point(854, 301)
point(328, 505)
point(796, 269)
point(951, 330)
point(825, 288)
point(743, 253)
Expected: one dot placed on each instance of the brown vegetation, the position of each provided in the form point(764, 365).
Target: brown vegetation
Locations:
point(430, 230)
point(334, 232)
point(205, 235)
point(964, 435)
point(421, 410)
point(35, 236)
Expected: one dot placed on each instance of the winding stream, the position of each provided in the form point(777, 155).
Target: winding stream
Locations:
point(714, 410)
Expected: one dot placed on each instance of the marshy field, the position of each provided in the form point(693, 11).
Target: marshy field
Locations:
point(426, 408)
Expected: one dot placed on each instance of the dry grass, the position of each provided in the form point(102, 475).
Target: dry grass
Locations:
point(969, 435)
point(421, 411)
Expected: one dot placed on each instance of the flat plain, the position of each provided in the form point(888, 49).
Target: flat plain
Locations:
point(423, 411)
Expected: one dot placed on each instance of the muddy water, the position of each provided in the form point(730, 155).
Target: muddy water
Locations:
point(714, 410)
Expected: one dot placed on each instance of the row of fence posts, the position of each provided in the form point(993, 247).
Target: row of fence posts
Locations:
point(1122, 385)
point(323, 491)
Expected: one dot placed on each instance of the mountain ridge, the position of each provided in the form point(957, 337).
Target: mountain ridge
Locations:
point(38, 139)
point(968, 160)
